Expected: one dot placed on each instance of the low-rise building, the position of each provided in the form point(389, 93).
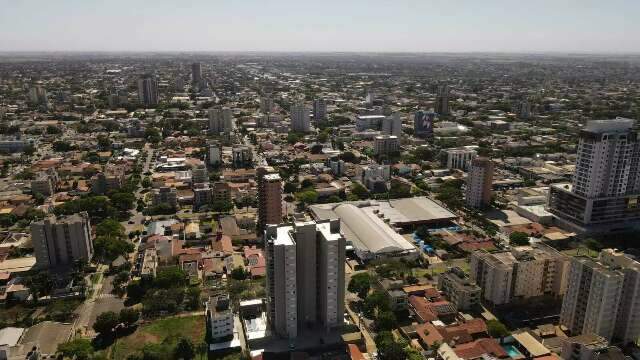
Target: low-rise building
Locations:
point(164, 195)
point(459, 289)
point(219, 317)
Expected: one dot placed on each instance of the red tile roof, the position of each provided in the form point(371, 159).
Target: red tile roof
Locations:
point(480, 347)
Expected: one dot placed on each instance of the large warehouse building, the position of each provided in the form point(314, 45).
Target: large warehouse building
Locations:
point(370, 227)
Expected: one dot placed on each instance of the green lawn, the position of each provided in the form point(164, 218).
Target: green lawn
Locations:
point(164, 331)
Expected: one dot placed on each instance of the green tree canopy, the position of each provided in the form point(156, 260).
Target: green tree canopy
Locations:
point(360, 284)
point(518, 238)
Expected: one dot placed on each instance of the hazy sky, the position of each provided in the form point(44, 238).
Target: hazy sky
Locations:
point(321, 25)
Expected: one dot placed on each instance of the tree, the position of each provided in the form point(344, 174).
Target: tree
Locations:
point(193, 298)
point(78, 348)
point(146, 182)
point(388, 348)
point(360, 191)
point(170, 277)
point(110, 227)
point(307, 197)
point(348, 156)
point(239, 273)
point(185, 349)
point(518, 238)
point(593, 244)
point(123, 201)
point(128, 316)
point(222, 206)
point(376, 301)
point(386, 321)
point(290, 187)
point(135, 291)
point(360, 284)
point(104, 142)
point(106, 322)
point(497, 329)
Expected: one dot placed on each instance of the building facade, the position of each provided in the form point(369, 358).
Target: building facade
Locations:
point(386, 144)
point(300, 118)
point(459, 289)
point(305, 276)
point(269, 197)
point(603, 196)
point(319, 111)
point(603, 297)
point(522, 273)
point(148, 91)
point(61, 241)
point(479, 183)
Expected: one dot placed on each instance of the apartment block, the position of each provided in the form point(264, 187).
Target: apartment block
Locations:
point(523, 272)
point(61, 241)
point(603, 297)
point(459, 289)
point(305, 276)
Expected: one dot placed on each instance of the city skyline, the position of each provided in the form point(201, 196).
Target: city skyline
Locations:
point(357, 26)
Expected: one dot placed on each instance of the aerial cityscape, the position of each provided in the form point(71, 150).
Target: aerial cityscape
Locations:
point(316, 204)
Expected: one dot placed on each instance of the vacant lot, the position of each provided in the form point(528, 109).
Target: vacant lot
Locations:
point(165, 331)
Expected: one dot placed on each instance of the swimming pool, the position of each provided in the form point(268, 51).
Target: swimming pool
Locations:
point(512, 351)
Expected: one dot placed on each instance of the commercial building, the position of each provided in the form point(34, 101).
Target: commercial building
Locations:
point(522, 273)
point(479, 182)
point(423, 123)
point(368, 226)
point(369, 122)
point(603, 196)
point(300, 118)
point(386, 144)
point(319, 110)
point(61, 241)
point(164, 196)
point(603, 297)
point(269, 197)
point(460, 159)
point(459, 289)
point(148, 90)
point(305, 276)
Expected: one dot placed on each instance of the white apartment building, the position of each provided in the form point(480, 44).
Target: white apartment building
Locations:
point(603, 297)
point(603, 196)
point(305, 276)
point(220, 317)
point(523, 272)
point(460, 159)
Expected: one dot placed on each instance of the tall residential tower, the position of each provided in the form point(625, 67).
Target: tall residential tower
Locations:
point(305, 276)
